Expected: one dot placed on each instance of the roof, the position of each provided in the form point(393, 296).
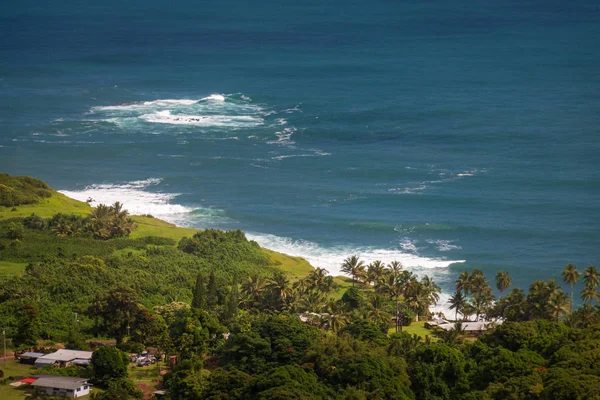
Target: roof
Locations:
point(28, 380)
point(60, 382)
point(467, 326)
point(67, 355)
point(31, 354)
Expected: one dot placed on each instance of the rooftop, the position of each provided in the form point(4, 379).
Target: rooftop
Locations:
point(67, 355)
point(59, 382)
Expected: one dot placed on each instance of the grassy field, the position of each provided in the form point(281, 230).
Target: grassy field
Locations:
point(416, 328)
point(147, 226)
point(47, 208)
point(11, 268)
point(14, 369)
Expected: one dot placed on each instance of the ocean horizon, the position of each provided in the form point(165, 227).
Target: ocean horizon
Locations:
point(445, 136)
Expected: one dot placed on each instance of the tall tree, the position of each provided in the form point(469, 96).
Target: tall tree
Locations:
point(462, 283)
point(392, 286)
point(589, 294)
point(353, 266)
point(591, 278)
point(199, 299)
point(558, 304)
point(374, 273)
point(570, 275)
point(457, 303)
point(395, 268)
point(211, 289)
point(503, 281)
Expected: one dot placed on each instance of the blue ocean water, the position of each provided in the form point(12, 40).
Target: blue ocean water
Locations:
point(449, 136)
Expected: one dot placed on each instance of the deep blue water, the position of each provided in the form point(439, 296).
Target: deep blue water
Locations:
point(424, 131)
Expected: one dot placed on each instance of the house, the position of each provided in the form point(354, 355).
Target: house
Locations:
point(29, 357)
point(65, 358)
point(69, 386)
point(477, 327)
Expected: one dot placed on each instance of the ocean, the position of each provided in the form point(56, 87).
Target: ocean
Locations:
point(447, 136)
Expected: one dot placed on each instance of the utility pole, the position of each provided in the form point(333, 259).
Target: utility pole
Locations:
point(4, 334)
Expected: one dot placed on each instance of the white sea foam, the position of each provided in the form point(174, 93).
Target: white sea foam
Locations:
point(216, 110)
point(444, 245)
point(284, 137)
point(214, 97)
point(332, 258)
point(147, 105)
point(232, 121)
point(134, 197)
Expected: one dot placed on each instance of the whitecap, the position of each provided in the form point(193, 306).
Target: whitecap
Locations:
point(232, 121)
point(214, 97)
point(134, 197)
point(444, 245)
point(332, 258)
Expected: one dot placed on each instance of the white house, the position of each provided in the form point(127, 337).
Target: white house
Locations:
point(68, 386)
point(65, 358)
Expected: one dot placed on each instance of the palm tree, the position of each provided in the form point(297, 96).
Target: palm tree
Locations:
point(558, 304)
point(591, 277)
point(395, 267)
point(462, 283)
point(317, 276)
point(313, 302)
point(376, 312)
point(503, 281)
point(280, 286)
point(571, 276)
point(432, 289)
point(457, 302)
point(391, 286)
point(254, 287)
point(353, 266)
point(374, 272)
point(589, 293)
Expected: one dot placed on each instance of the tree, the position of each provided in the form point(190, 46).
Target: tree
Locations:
point(280, 288)
point(502, 281)
point(591, 278)
point(589, 294)
point(211, 289)
point(119, 309)
point(353, 266)
point(457, 302)
point(375, 272)
point(462, 283)
point(558, 303)
point(571, 276)
point(199, 299)
point(392, 286)
point(109, 363)
point(29, 327)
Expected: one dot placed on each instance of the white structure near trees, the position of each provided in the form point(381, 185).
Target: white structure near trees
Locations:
point(68, 386)
point(64, 358)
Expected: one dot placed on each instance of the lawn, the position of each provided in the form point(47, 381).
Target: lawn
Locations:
point(11, 268)
point(417, 328)
point(14, 369)
point(298, 267)
point(148, 226)
point(47, 208)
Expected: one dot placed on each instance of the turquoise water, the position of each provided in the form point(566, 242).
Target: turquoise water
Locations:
point(445, 135)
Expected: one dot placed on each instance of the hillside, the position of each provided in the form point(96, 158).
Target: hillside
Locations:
point(52, 202)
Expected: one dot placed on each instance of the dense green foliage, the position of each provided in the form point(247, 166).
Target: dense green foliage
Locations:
point(241, 329)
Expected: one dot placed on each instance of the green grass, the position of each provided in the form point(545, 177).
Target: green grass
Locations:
point(416, 328)
point(47, 207)
point(147, 226)
point(11, 268)
point(343, 283)
point(14, 369)
point(298, 267)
